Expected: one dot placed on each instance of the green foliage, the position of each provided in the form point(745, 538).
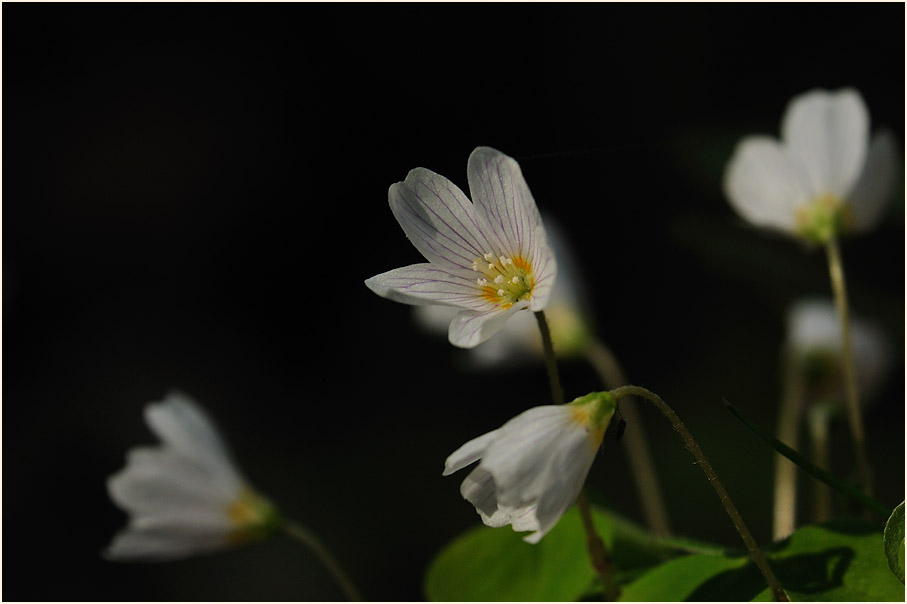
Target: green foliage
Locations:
point(841, 560)
point(894, 542)
point(486, 564)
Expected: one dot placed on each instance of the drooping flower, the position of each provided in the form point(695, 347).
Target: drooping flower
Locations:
point(533, 467)
point(186, 495)
point(814, 338)
point(567, 313)
point(822, 178)
point(488, 258)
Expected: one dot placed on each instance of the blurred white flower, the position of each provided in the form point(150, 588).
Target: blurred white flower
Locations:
point(823, 177)
point(533, 467)
point(814, 337)
point(488, 259)
point(186, 495)
point(519, 339)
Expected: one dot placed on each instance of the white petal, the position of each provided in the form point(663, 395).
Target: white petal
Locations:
point(504, 202)
point(478, 488)
point(180, 423)
point(430, 284)
point(164, 482)
point(438, 219)
point(873, 190)
point(468, 453)
point(503, 199)
point(765, 184)
point(829, 133)
point(471, 328)
point(520, 457)
point(161, 544)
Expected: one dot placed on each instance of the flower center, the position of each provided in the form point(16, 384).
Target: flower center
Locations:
point(252, 516)
point(820, 219)
point(504, 281)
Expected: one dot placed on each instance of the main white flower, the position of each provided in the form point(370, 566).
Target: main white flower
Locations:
point(568, 315)
point(823, 177)
point(533, 467)
point(186, 495)
point(489, 258)
point(814, 338)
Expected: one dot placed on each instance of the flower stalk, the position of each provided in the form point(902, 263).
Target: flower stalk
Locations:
point(639, 455)
point(839, 286)
point(305, 537)
point(598, 554)
point(703, 462)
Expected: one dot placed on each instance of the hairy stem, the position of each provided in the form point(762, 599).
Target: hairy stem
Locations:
point(703, 462)
point(639, 456)
point(303, 535)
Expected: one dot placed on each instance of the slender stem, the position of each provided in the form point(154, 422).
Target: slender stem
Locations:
point(301, 534)
point(818, 436)
point(601, 559)
point(703, 462)
point(836, 272)
point(598, 555)
point(642, 467)
point(785, 505)
point(557, 393)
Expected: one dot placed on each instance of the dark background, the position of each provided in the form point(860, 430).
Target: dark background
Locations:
point(194, 194)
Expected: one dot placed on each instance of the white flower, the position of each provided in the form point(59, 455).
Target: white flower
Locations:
point(822, 177)
point(489, 259)
point(185, 496)
point(533, 467)
point(814, 337)
point(518, 339)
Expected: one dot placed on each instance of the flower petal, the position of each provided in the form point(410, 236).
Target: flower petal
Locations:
point(765, 184)
point(873, 190)
point(471, 328)
point(438, 219)
point(159, 481)
point(469, 453)
point(478, 488)
point(829, 133)
point(430, 284)
point(163, 543)
point(180, 423)
point(504, 202)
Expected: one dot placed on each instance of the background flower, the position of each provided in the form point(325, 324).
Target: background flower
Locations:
point(185, 496)
point(822, 177)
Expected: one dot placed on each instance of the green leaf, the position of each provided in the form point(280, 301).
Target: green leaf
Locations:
point(836, 561)
point(486, 564)
point(893, 542)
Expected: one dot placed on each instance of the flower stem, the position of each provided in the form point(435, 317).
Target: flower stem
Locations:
point(601, 559)
point(703, 462)
point(642, 468)
point(789, 414)
point(818, 434)
point(836, 272)
point(598, 554)
point(303, 535)
point(557, 393)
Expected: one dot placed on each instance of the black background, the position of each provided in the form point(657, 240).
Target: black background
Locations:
point(194, 194)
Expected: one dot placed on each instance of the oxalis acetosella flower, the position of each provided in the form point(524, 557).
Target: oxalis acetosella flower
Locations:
point(532, 468)
point(823, 177)
point(185, 496)
point(488, 257)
